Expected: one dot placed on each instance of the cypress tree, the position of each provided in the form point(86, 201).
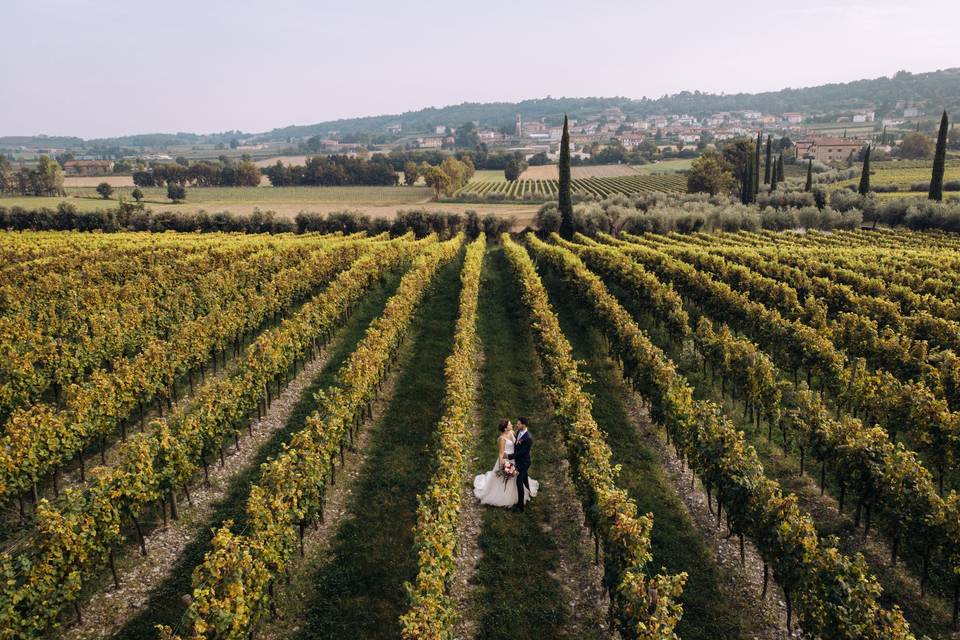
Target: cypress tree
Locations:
point(773, 180)
point(780, 168)
point(883, 136)
point(750, 181)
point(864, 188)
point(756, 166)
point(939, 161)
point(809, 186)
point(565, 203)
point(766, 167)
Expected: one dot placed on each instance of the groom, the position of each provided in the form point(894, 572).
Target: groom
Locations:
point(521, 456)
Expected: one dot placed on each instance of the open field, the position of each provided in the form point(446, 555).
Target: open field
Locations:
point(324, 404)
point(487, 175)
point(382, 202)
point(287, 160)
point(664, 166)
point(92, 181)
point(220, 197)
point(904, 178)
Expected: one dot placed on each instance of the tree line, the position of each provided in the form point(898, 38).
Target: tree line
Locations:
point(134, 217)
point(205, 173)
point(46, 179)
point(335, 170)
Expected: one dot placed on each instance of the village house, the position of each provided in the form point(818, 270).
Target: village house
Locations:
point(430, 143)
point(87, 167)
point(793, 117)
point(828, 150)
point(534, 127)
point(630, 140)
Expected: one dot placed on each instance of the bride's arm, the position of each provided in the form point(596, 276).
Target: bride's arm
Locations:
point(501, 445)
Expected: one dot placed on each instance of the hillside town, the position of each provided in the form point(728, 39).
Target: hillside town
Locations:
point(670, 134)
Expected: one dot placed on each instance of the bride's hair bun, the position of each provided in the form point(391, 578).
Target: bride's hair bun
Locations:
point(503, 425)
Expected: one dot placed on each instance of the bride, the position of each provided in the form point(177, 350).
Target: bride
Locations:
point(493, 487)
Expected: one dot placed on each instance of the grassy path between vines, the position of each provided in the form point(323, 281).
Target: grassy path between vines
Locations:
point(532, 569)
point(930, 615)
point(709, 611)
point(166, 605)
point(359, 591)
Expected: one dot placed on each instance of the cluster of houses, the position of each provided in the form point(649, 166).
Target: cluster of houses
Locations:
point(670, 132)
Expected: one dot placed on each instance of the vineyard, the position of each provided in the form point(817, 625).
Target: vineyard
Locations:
point(601, 187)
point(907, 176)
point(738, 435)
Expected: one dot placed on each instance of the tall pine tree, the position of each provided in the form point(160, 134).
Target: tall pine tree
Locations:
point(766, 167)
point(756, 166)
point(565, 203)
point(864, 188)
point(780, 168)
point(809, 186)
point(939, 161)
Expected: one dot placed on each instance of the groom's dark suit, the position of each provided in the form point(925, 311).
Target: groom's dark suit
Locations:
point(521, 456)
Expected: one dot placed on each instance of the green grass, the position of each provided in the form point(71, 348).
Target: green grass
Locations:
point(359, 592)
point(519, 560)
point(676, 543)
point(487, 175)
point(165, 605)
point(664, 166)
point(212, 198)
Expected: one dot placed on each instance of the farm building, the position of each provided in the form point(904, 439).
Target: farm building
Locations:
point(828, 149)
point(87, 167)
point(429, 143)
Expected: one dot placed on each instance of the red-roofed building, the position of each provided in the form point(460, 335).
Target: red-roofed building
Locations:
point(828, 150)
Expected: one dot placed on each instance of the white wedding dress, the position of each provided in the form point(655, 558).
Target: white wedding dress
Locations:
point(491, 489)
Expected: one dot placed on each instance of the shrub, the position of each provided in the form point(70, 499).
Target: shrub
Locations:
point(176, 192)
point(105, 190)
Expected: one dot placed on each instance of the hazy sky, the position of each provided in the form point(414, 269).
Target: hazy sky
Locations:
point(108, 67)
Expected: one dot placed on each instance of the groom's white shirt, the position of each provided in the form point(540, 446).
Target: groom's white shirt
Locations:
point(520, 434)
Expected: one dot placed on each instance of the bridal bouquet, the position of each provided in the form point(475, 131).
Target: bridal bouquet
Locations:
point(507, 471)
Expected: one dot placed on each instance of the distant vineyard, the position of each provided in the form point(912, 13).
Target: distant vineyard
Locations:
point(599, 186)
